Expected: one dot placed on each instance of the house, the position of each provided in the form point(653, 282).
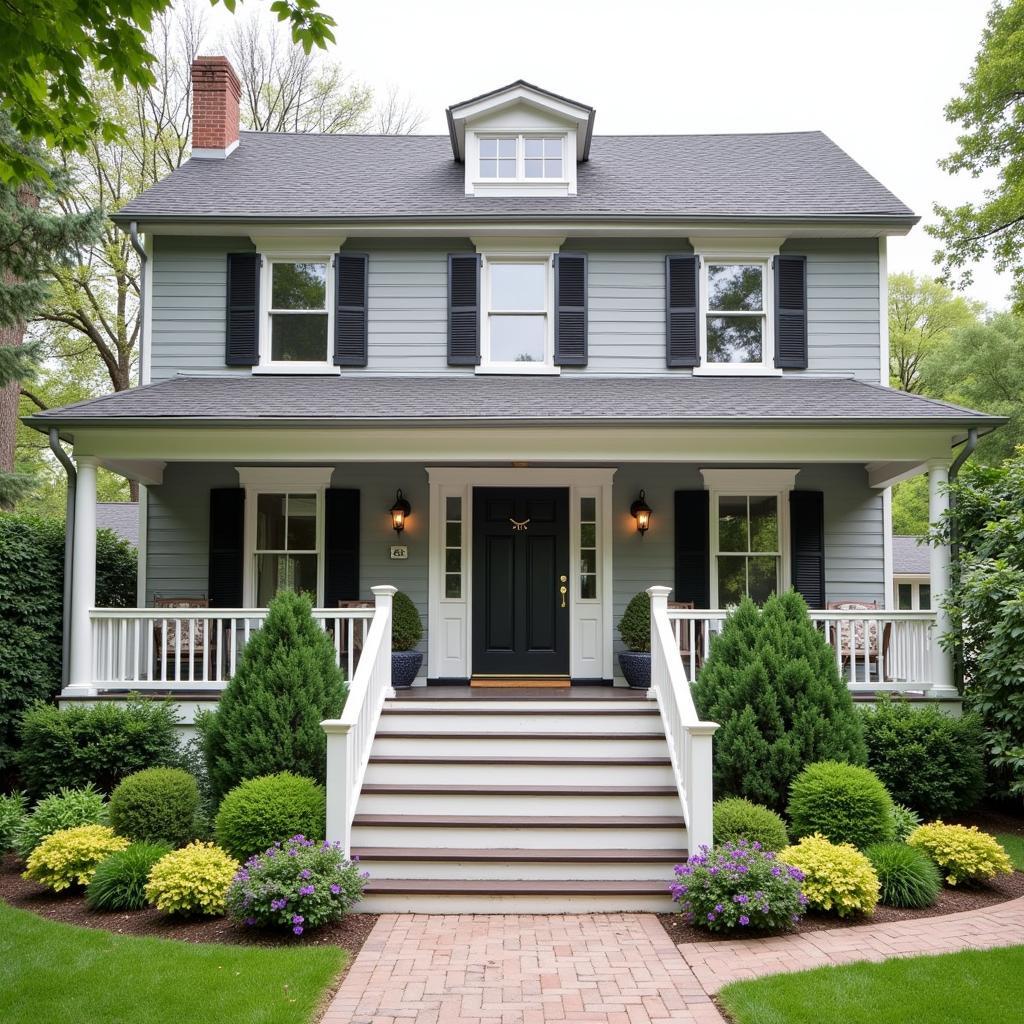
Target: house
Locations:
point(121, 518)
point(911, 574)
point(520, 372)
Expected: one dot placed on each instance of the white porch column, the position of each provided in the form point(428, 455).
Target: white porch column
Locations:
point(83, 578)
point(938, 503)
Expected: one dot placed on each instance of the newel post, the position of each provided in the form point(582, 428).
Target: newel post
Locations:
point(659, 606)
point(700, 790)
point(339, 789)
point(384, 602)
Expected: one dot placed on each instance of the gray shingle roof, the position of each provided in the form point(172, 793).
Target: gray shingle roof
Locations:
point(458, 398)
point(798, 175)
point(120, 516)
point(909, 555)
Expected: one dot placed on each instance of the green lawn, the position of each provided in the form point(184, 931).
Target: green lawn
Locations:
point(1014, 846)
point(53, 973)
point(976, 987)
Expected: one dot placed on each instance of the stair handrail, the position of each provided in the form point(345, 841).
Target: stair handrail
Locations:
point(350, 737)
point(689, 739)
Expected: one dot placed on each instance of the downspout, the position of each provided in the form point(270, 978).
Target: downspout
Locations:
point(133, 234)
point(69, 542)
point(954, 544)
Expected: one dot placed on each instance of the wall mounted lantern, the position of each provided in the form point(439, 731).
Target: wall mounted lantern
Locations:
point(641, 512)
point(400, 512)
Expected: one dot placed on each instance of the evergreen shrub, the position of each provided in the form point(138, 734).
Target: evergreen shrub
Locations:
point(928, 760)
point(156, 805)
point(635, 624)
point(260, 812)
point(406, 624)
point(844, 802)
point(97, 745)
point(771, 682)
point(736, 818)
point(286, 684)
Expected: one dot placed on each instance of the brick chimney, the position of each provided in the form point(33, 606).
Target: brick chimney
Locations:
point(216, 91)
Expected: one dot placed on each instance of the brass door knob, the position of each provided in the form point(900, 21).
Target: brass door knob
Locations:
point(563, 591)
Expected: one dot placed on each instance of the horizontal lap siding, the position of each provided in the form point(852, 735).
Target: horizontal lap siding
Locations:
point(842, 306)
point(178, 528)
point(188, 304)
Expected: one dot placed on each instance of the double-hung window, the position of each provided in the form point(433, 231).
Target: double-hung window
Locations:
point(517, 321)
point(298, 318)
point(748, 560)
point(735, 324)
point(288, 548)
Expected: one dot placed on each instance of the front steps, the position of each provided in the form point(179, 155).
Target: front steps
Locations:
point(539, 804)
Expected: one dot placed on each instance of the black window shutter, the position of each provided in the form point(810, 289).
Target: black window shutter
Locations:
point(341, 546)
point(807, 545)
point(791, 312)
point(681, 331)
point(463, 309)
point(693, 566)
point(242, 335)
point(350, 309)
point(227, 528)
point(570, 309)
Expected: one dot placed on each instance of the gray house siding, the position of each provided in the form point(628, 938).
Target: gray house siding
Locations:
point(178, 529)
point(408, 305)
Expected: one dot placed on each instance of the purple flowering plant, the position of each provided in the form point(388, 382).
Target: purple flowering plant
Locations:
point(297, 885)
point(738, 887)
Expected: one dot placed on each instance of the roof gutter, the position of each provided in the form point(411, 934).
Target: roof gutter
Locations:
point(69, 533)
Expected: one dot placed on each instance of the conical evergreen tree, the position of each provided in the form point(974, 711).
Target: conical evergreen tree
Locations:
point(771, 683)
point(286, 684)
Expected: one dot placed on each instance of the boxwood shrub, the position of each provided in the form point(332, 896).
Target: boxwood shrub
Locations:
point(260, 812)
point(928, 760)
point(156, 805)
point(843, 802)
point(736, 818)
point(97, 745)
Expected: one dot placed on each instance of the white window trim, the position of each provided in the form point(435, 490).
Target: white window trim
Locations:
point(749, 252)
point(268, 365)
point(914, 581)
point(520, 137)
point(543, 257)
point(281, 480)
point(729, 483)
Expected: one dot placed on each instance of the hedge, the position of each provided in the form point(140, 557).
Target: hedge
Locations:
point(31, 599)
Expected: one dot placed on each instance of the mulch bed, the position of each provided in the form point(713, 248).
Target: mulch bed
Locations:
point(350, 932)
point(950, 901)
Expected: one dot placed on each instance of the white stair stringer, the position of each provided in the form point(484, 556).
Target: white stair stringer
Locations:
point(520, 806)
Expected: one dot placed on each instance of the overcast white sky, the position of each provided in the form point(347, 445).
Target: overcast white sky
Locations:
point(874, 75)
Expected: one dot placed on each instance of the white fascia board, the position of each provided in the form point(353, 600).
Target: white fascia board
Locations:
point(592, 228)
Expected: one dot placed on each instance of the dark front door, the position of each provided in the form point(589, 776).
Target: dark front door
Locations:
point(520, 581)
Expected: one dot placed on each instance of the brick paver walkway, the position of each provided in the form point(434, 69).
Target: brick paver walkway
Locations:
point(605, 968)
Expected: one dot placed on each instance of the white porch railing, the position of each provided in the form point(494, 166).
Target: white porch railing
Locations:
point(350, 737)
point(198, 648)
point(689, 739)
point(890, 651)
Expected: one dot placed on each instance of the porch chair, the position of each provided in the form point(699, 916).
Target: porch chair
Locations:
point(357, 633)
point(853, 641)
point(189, 650)
point(684, 636)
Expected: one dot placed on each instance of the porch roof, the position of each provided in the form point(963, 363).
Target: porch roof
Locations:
point(368, 399)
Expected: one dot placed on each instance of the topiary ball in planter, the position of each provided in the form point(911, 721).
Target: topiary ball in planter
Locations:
point(406, 633)
point(635, 630)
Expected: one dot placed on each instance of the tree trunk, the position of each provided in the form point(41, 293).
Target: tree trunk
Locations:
point(12, 337)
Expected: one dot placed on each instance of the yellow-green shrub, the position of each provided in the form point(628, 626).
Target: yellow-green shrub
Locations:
point(962, 854)
point(69, 857)
point(836, 876)
point(192, 880)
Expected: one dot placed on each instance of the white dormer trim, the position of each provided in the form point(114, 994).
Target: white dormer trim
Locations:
point(520, 185)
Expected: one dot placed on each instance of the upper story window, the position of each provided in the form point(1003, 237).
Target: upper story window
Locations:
point(735, 318)
point(515, 157)
point(298, 313)
point(517, 297)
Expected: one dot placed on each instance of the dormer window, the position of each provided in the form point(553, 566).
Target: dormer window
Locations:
point(512, 157)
